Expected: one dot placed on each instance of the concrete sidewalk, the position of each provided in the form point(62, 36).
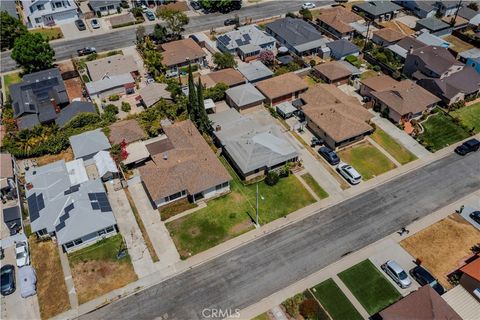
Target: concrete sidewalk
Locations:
point(67, 273)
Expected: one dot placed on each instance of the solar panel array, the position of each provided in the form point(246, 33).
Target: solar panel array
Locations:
point(72, 189)
point(64, 217)
point(35, 204)
point(99, 200)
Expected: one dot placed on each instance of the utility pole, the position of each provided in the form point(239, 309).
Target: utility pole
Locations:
point(257, 224)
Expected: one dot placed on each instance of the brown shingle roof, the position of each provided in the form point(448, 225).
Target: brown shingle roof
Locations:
point(379, 83)
point(230, 77)
point(112, 66)
point(340, 116)
point(389, 35)
point(187, 163)
point(6, 167)
point(129, 130)
point(472, 269)
point(338, 18)
point(425, 303)
point(177, 52)
point(282, 85)
point(333, 70)
point(406, 97)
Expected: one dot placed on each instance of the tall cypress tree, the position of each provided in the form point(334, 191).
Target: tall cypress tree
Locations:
point(192, 106)
point(204, 122)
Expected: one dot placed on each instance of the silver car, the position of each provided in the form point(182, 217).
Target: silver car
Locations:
point(397, 273)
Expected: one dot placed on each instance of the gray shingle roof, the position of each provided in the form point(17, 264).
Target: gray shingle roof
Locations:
point(377, 8)
point(97, 4)
point(467, 13)
point(254, 71)
point(72, 110)
point(342, 47)
point(432, 24)
point(88, 143)
point(244, 94)
point(243, 36)
point(294, 31)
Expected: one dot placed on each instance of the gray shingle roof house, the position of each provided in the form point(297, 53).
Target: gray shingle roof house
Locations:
point(342, 48)
point(62, 202)
point(377, 10)
point(253, 143)
point(244, 97)
point(297, 35)
point(105, 6)
point(428, 8)
point(87, 144)
point(435, 26)
point(254, 71)
point(72, 110)
point(40, 96)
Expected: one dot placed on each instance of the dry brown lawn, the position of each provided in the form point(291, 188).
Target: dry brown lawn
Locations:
point(66, 155)
point(442, 246)
point(51, 288)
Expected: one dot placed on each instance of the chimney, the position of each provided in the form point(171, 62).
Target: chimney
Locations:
point(218, 128)
point(410, 51)
point(55, 105)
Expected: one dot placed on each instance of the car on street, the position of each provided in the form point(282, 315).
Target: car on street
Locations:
point(21, 252)
point(397, 273)
point(349, 173)
point(329, 155)
point(95, 23)
point(423, 277)
point(7, 279)
point(475, 215)
point(468, 146)
point(80, 25)
point(308, 5)
point(150, 15)
point(196, 5)
point(230, 22)
point(87, 50)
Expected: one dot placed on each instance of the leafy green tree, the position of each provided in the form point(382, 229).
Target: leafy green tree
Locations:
point(152, 58)
point(32, 52)
point(10, 29)
point(306, 14)
point(140, 35)
point(221, 5)
point(175, 19)
point(224, 60)
point(159, 33)
point(217, 92)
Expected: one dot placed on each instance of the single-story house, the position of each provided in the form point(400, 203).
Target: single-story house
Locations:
point(377, 10)
point(105, 7)
point(229, 76)
point(339, 49)
point(7, 176)
point(106, 166)
point(428, 9)
point(472, 16)
point(335, 117)
point(254, 71)
point(72, 110)
point(286, 109)
point(425, 303)
point(112, 66)
point(183, 166)
point(87, 144)
point(387, 37)
point(152, 93)
point(402, 47)
point(137, 154)
point(456, 22)
point(181, 53)
point(247, 42)
point(434, 26)
point(299, 36)
point(244, 97)
point(429, 39)
point(63, 203)
point(470, 278)
point(254, 144)
point(285, 87)
point(125, 130)
point(378, 83)
point(111, 85)
point(337, 22)
point(334, 72)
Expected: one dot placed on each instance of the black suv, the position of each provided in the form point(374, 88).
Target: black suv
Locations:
point(7, 279)
point(80, 25)
point(475, 215)
point(467, 147)
point(329, 155)
point(423, 277)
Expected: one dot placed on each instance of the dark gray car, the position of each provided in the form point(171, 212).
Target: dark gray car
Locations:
point(7, 279)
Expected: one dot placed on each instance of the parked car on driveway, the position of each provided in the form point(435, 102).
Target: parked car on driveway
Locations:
point(22, 255)
point(7, 279)
point(80, 25)
point(87, 50)
point(349, 173)
point(468, 146)
point(397, 273)
point(95, 23)
point(329, 155)
point(150, 15)
point(423, 277)
point(475, 215)
point(308, 5)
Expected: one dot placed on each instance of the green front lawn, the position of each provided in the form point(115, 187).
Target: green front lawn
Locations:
point(369, 286)
point(49, 33)
point(9, 79)
point(399, 152)
point(367, 160)
point(441, 131)
point(233, 214)
point(307, 177)
point(335, 301)
point(469, 116)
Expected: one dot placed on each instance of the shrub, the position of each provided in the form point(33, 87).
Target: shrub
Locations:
point(312, 63)
point(309, 309)
point(114, 97)
point(272, 178)
point(217, 92)
point(376, 68)
point(126, 107)
point(292, 305)
point(111, 108)
point(92, 56)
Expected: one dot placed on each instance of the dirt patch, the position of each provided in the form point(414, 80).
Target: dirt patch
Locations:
point(237, 197)
point(443, 246)
point(66, 66)
point(194, 231)
point(240, 227)
point(95, 278)
point(74, 88)
point(66, 155)
point(179, 5)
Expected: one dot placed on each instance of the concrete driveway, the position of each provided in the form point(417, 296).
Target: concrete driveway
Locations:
point(14, 306)
point(390, 250)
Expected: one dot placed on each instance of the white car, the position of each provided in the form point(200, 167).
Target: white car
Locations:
point(21, 250)
point(308, 5)
point(349, 173)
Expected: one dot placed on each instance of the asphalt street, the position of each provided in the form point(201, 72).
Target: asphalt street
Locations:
point(262, 267)
point(126, 37)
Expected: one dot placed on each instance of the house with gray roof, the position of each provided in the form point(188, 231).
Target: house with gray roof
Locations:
point(72, 110)
point(244, 97)
point(472, 16)
point(63, 203)
point(339, 49)
point(255, 71)
point(87, 144)
point(434, 26)
point(111, 84)
point(377, 10)
point(299, 36)
point(247, 41)
point(38, 98)
point(253, 143)
point(105, 7)
point(402, 47)
point(428, 8)
point(429, 39)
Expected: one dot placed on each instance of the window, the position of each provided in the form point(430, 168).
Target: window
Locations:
point(110, 229)
point(58, 4)
point(40, 7)
point(42, 232)
point(101, 232)
point(78, 241)
point(69, 244)
point(38, 20)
